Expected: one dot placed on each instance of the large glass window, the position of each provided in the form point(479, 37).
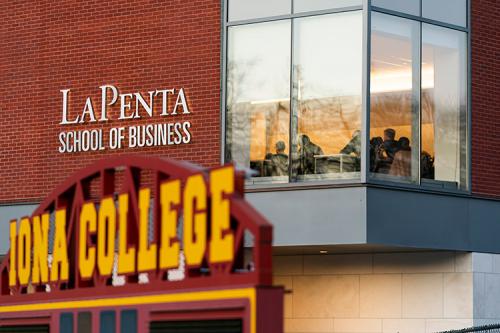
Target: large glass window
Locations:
point(325, 117)
point(327, 91)
point(444, 105)
point(258, 99)
point(394, 113)
point(301, 86)
point(418, 110)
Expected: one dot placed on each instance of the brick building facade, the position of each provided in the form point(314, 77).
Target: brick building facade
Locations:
point(366, 259)
point(136, 46)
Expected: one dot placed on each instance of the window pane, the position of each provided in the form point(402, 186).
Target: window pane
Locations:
point(310, 5)
point(245, 9)
point(84, 324)
point(258, 99)
point(66, 323)
point(405, 6)
point(108, 322)
point(327, 89)
point(444, 105)
point(449, 11)
point(128, 321)
point(394, 114)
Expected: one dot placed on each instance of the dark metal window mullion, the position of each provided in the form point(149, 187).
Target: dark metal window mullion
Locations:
point(419, 151)
point(420, 55)
point(418, 107)
point(223, 90)
point(293, 121)
point(469, 99)
point(365, 120)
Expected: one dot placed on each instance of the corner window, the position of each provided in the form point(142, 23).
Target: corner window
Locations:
point(302, 83)
point(294, 98)
point(418, 104)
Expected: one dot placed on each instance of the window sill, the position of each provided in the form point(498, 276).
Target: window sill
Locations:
point(427, 187)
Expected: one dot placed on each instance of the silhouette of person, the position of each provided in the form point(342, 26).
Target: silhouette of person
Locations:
point(426, 165)
point(307, 151)
point(387, 150)
point(401, 165)
point(375, 157)
point(354, 145)
point(279, 161)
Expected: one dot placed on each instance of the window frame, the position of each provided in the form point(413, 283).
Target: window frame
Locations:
point(365, 179)
point(429, 185)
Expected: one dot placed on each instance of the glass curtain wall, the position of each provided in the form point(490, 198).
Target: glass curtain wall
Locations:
point(327, 85)
point(294, 92)
point(394, 114)
point(418, 99)
point(444, 107)
point(315, 60)
point(258, 99)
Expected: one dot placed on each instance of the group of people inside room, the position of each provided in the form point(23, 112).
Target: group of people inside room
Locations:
point(390, 155)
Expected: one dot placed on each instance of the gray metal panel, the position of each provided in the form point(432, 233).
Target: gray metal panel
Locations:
point(484, 225)
point(314, 216)
point(434, 221)
point(8, 213)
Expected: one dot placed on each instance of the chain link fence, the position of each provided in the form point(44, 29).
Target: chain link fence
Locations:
point(479, 329)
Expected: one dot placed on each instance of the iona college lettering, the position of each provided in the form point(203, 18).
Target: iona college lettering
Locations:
point(143, 232)
point(107, 221)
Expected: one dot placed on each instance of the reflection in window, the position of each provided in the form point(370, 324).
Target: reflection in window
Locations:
point(245, 9)
point(444, 105)
point(258, 99)
point(449, 11)
point(394, 113)
point(294, 95)
point(405, 6)
point(327, 90)
point(300, 6)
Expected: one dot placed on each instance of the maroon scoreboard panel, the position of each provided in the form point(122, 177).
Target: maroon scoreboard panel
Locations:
point(136, 244)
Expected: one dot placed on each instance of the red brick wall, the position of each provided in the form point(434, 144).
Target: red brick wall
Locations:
point(486, 97)
point(144, 45)
point(138, 45)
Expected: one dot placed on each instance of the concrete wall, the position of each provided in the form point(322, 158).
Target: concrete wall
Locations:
point(391, 292)
point(315, 216)
point(486, 271)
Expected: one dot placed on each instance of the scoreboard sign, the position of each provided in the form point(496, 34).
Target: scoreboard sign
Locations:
point(136, 244)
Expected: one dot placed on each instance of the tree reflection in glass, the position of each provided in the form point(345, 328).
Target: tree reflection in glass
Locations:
point(258, 99)
point(327, 99)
